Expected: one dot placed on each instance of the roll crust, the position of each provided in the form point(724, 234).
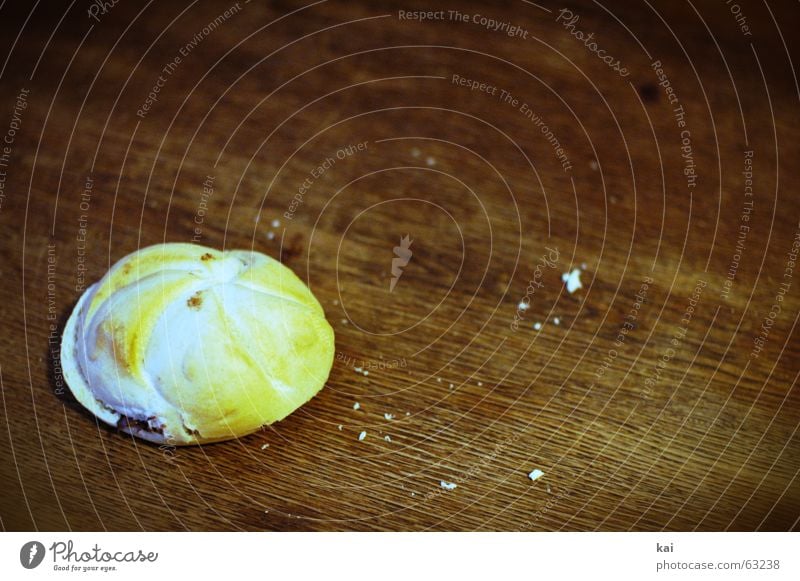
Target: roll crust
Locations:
point(182, 344)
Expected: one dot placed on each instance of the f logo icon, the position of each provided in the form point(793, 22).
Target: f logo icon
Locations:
point(31, 554)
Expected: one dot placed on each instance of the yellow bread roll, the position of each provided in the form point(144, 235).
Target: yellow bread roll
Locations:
point(182, 344)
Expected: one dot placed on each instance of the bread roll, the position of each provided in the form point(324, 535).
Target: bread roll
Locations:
point(182, 344)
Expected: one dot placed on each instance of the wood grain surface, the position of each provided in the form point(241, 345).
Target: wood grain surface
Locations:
point(659, 155)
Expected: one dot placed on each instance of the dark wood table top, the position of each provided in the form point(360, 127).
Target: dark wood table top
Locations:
point(652, 145)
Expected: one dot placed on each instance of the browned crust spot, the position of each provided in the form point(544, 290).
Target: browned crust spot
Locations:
point(195, 301)
point(207, 256)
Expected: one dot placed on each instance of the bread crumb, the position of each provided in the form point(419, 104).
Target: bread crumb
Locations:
point(430, 161)
point(276, 223)
point(536, 474)
point(572, 279)
point(523, 306)
point(387, 438)
point(270, 235)
point(339, 427)
point(415, 152)
point(264, 446)
point(356, 406)
point(361, 436)
point(537, 326)
point(388, 416)
point(556, 321)
point(448, 485)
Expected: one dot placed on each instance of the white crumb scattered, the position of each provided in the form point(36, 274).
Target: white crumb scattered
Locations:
point(264, 446)
point(583, 265)
point(413, 494)
point(276, 223)
point(365, 373)
point(480, 384)
point(387, 438)
point(335, 301)
point(556, 321)
point(415, 152)
point(439, 379)
point(270, 235)
point(451, 386)
point(523, 306)
point(358, 369)
point(356, 406)
point(388, 416)
point(537, 326)
point(572, 279)
point(361, 436)
point(339, 427)
point(448, 485)
point(344, 321)
point(408, 413)
point(536, 474)
point(593, 165)
point(430, 161)
point(548, 488)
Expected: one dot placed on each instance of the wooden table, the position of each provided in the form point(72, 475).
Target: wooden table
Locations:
point(511, 147)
